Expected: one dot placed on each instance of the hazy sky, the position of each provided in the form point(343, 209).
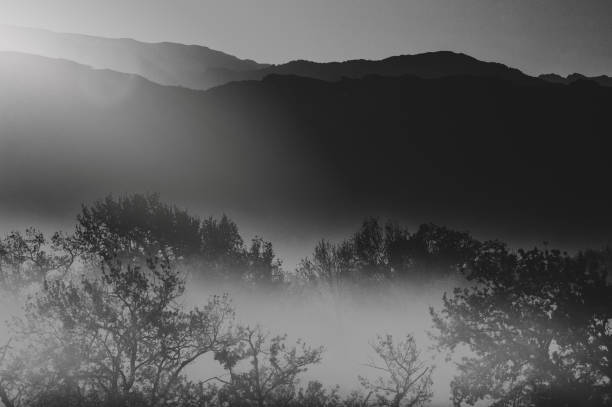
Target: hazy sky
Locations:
point(537, 36)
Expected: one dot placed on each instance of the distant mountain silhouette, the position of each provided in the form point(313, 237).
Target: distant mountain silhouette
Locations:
point(602, 80)
point(198, 67)
point(554, 78)
point(428, 65)
point(166, 63)
point(494, 153)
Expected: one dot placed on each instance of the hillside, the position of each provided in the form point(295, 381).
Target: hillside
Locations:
point(198, 67)
point(494, 153)
point(602, 80)
point(427, 65)
point(166, 63)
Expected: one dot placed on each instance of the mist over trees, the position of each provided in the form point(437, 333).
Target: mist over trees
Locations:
point(104, 322)
point(380, 252)
point(147, 304)
point(142, 227)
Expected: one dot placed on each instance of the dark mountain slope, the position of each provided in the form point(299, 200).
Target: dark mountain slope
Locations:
point(198, 67)
point(68, 133)
point(464, 143)
point(491, 153)
point(165, 63)
point(427, 65)
point(602, 80)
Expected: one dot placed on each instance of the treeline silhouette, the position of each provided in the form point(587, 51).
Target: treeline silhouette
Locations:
point(103, 324)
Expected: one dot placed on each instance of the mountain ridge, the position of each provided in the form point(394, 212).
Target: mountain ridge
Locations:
point(602, 80)
point(166, 63)
point(426, 65)
point(477, 148)
point(178, 64)
point(200, 67)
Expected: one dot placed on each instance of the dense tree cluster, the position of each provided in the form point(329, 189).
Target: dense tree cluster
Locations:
point(539, 326)
point(141, 226)
point(104, 323)
point(376, 252)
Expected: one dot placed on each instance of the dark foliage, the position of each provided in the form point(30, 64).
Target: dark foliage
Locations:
point(137, 226)
point(29, 258)
point(538, 325)
point(386, 252)
point(537, 322)
point(141, 227)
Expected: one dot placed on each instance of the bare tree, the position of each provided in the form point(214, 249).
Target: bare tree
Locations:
point(405, 380)
point(274, 367)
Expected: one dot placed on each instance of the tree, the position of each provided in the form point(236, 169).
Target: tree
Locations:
point(390, 252)
point(315, 395)
point(432, 251)
point(262, 266)
point(330, 264)
point(406, 379)
point(29, 258)
point(223, 251)
point(273, 371)
point(7, 394)
point(226, 257)
point(139, 227)
point(122, 336)
point(538, 325)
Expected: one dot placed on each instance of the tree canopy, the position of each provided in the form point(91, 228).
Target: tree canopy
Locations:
point(380, 252)
point(120, 338)
point(105, 324)
point(538, 325)
point(30, 258)
point(141, 227)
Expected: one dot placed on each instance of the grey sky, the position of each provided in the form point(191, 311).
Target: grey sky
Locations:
point(537, 36)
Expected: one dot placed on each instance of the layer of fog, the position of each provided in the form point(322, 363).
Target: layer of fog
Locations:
point(345, 321)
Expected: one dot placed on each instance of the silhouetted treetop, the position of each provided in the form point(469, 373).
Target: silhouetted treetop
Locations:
point(137, 225)
point(221, 240)
point(391, 251)
point(143, 228)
